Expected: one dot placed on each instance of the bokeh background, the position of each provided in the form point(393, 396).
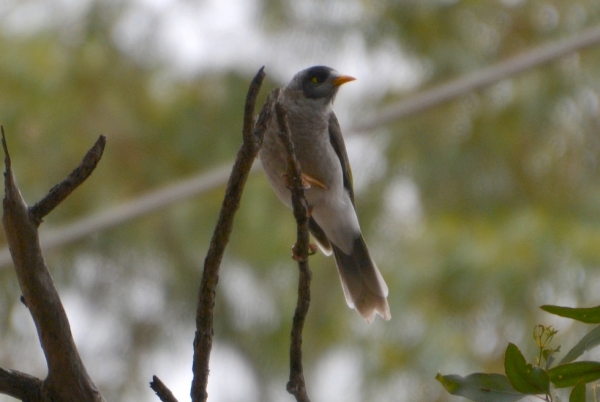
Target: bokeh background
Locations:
point(477, 210)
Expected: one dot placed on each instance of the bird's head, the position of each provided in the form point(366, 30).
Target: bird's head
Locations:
point(319, 82)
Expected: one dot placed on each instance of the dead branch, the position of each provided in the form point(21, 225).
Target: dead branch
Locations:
point(252, 135)
point(296, 385)
point(62, 190)
point(67, 378)
point(164, 393)
point(20, 385)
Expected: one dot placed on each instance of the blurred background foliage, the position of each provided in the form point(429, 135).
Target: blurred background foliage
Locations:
point(477, 210)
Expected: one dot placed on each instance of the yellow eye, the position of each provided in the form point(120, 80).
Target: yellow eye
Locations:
point(315, 80)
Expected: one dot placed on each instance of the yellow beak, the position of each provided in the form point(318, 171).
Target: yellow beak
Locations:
point(342, 79)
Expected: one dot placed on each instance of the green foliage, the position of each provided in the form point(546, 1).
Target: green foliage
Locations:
point(523, 378)
point(588, 315)
point(589, 341)
point(480, 387)
point(578, 393)
point(570, 374)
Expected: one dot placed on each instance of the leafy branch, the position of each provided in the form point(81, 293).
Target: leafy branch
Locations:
point(522, 379)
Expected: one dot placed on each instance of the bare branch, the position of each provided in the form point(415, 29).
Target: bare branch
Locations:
point(252, 134)
point(67, 378)
point(20, 385)
point(296, 385)
point(62, 190)
point(164, 393)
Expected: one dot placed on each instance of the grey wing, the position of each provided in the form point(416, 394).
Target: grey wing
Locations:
point(337, 142)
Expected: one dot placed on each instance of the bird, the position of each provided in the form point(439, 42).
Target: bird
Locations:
point(327, 180)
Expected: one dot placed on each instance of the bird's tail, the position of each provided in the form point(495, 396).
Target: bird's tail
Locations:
point(363, 285)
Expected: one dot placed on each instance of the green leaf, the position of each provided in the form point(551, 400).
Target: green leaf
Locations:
point(568, 375)
point(590, 315)
point(589, 341)
point(480, 387)
point(523, 376)
point(578, 393)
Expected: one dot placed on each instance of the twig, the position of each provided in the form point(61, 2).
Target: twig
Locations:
point(252, 134)
point(62, 190)
point(164, 393)
point(296, 385)
point(20, 385)
point(67, 378)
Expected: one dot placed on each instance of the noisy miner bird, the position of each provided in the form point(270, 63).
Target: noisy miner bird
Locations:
point(327, 179)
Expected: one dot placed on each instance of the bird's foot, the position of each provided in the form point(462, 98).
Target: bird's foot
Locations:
point(307, 182)
point(289, 185)
point(312, 181)
point(312, 249)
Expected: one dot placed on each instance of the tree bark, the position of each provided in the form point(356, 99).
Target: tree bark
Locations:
point(252, 139)
point(67, 380)
point(296, 384)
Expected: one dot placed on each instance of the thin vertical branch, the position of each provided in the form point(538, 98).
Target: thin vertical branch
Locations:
point(296, 384)
point(252, 134)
